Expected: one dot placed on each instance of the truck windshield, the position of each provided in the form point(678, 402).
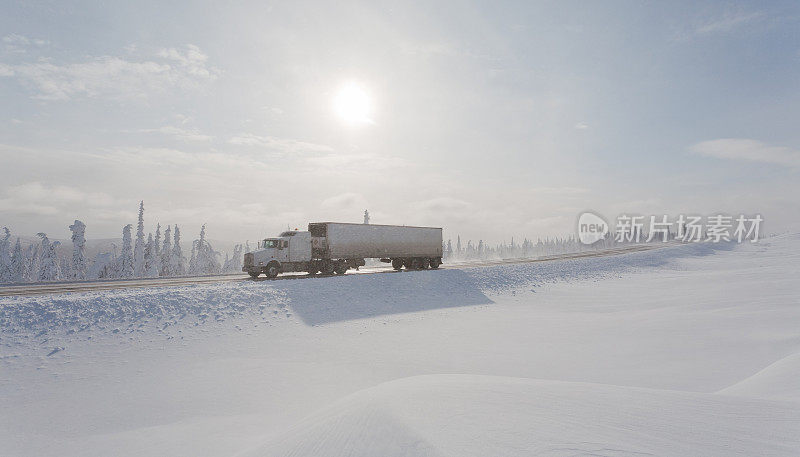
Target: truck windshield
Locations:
point(269, 244)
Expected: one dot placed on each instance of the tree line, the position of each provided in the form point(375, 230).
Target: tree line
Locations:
point(154, 255)
point(526, 249)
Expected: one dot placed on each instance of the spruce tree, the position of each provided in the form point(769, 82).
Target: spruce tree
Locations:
point(78, 230)
point(125, 260)
point(178, 266)
point(138, 251)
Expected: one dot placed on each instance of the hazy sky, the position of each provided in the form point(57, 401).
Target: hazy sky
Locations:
point(490, 119)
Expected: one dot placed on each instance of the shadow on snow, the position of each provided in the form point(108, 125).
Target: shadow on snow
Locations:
point(349, 297)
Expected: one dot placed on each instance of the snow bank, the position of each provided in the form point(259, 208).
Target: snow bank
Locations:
point(314, 300)
point(130, 310)
point(502, 278)
point(469, 415)
point(779, 381)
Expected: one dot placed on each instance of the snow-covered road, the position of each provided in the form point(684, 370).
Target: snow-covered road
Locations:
point(687, 350)
point(9, 290)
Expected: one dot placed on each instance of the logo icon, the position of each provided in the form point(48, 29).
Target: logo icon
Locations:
point(591, 228)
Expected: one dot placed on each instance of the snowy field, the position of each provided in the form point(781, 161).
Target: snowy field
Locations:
point(685, 350)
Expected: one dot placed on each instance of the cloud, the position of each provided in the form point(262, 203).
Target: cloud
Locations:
point(39, 199)
point(180, 133)
point(8, 205)
point(546, 223)
point(114, 77)
point(36, 191)
point(428, 49)
point(720, 23)
point(346, 201)
point(748, 150)
point(561, 191)
point(284, 145)
point(168, 161)
point(190, 59)
point(727, 22)
point(19, 44)
point(442, 205)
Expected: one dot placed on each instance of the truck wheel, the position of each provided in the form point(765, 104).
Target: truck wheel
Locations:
point(253, 274)
point(327, 268)
point(397, 264)
point(340, 268)
point(435, 263)
point(273, 269)
point(425, 263)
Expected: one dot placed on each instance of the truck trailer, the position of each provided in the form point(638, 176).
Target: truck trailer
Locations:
point(335, 247)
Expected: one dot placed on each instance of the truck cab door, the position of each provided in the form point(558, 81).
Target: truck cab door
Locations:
point(300, 247)
point(282, 254)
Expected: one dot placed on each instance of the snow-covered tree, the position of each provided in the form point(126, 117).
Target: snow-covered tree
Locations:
point(31, 262)
point(150, 267)
point(48, 261)
point(102, 266)
point(234, 262)
point(366, 216)
point(236, 258)
point(125, 260)
point(177, 259)
point(18, 262)
point(193, 259)
point(5, 256)
point(78, 229)
point(138, 250)
point(65, 267)
point(204, 256)
point(157, 251)
point(201, 242)
point(166, 253)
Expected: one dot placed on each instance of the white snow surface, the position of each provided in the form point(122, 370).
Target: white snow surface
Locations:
point(685, 350)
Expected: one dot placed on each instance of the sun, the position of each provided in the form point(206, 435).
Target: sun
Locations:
point(352, 104)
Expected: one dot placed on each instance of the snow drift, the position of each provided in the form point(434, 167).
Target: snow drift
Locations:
point(779, 381)
point(604, 356)
point(460, 415)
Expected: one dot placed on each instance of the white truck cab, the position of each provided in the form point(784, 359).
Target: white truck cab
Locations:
point(289, 250)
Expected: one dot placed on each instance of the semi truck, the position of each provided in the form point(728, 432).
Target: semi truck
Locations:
point(335, 247)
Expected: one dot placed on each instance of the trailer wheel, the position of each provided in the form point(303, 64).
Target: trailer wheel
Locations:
point(435, 263)
point(253, 274)
point(327, 268)
point(414, 264)
point(425, 263)
point(340, 268)
point(273, 268)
